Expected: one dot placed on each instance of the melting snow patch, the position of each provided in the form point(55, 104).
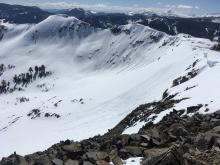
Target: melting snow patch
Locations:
point(133, 161)
point(161, 115)
point(134, 129)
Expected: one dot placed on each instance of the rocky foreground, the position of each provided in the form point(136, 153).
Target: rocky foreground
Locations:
point(176, 140)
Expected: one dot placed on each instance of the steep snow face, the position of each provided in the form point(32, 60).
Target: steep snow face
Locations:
point(53, 28)
point(59, 26)
point(94, 79)
point(11, 31)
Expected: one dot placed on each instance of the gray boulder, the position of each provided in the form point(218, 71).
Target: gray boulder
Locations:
point(57, 162)
point(71, 162)
point(134, 151)
point(95, 155)
point(173, 156)
point(87, 163)
point(74, 147)
point(14, 160)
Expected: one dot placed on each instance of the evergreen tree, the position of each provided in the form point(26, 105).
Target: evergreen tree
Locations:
point(36, 69)
point(30, 70)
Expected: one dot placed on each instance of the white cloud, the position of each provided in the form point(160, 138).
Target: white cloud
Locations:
point(185, 7)
point(170, 6)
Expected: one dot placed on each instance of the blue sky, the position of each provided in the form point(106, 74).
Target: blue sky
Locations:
point(202, 5)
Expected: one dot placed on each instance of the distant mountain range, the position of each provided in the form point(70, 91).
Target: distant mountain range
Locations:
point(22, 14)
point(204, 27)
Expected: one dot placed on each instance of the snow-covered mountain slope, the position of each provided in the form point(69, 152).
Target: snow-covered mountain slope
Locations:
point(60, 26)
point(93, 78)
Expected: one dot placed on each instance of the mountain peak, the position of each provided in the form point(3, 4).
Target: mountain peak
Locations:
point(60, 26)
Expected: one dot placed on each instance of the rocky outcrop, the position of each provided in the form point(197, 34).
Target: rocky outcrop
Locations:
point(216, 47)
point(143, 112)
point(176, 140)
point(182, 79)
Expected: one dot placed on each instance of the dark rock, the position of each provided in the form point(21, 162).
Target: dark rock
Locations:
point(135, 137)
point(43, 160)
point(177, 130)
point(171, 157)
point(217, 112)
point(154, 152)
point(87, 163)
point(194, 109)
point(67, 142)
point(191, 160)
point(182, 79)
point(116, 160)
point(102, 162)
point(125, 139)
point(14, 160)
point(215, 130)
point(207, 141)
point(134, 151)
point(95, 155)
point(74, 147)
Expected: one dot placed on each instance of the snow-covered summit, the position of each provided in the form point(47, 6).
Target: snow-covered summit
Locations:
point(60, 26)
